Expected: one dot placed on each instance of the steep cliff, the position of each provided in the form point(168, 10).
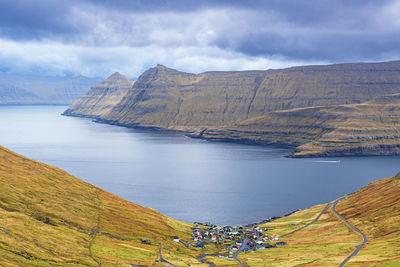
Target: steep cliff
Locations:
point(169, 99)
point(101, 97)
point(371, 128)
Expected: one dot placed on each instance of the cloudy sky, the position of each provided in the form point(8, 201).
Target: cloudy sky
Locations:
point(98, 37)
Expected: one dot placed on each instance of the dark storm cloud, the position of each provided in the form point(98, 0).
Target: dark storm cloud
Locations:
point(192, 32)
point(27, 19)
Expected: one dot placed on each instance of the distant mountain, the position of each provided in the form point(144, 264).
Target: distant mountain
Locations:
point(102, 97)
point(30, 89)
point(11, 94)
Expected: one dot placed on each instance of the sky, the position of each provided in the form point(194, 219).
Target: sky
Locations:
point(98, 37)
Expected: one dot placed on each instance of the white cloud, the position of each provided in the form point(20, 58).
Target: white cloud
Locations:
point(58, 58)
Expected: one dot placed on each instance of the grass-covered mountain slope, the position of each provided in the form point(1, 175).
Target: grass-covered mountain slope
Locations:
point(50, 218)
point(170, 99)
point(374, 210)
point(101, 98)
point(370, 128)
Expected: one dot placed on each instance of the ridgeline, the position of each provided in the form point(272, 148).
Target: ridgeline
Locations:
point(331, 110)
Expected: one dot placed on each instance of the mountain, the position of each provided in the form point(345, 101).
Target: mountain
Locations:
point(10, 94)
point(50, 218)
point(169, 99)
point(101, 98)
point(33, 89)
point(370, 128)
point(321, 110)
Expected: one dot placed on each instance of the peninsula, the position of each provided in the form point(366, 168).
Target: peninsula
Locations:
point(332, 110)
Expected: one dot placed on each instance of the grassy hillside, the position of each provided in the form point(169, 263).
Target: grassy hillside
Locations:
point(167, 98)
point(101, 98)
point(375, 210)
point(371, 128)
point(50, 218)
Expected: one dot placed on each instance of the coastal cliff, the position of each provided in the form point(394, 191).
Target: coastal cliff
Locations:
point(370, 128)
point(169, 99)
point(101, 98)
point(321, 110)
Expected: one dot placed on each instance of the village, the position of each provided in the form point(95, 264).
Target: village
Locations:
point(231, 239)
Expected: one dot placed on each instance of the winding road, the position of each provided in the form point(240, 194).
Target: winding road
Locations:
point(201, 258)
point(352, 227)
point(245, 240)
point(162, 259)
point(316, 219)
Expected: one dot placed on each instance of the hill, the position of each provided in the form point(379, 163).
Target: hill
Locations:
point(101, 98)
point(370, 128)
point(50, 218)
point(169, 99)
point(30, 89)
point(374, 210)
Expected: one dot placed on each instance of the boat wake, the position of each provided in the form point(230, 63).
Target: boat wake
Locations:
point(326, 161)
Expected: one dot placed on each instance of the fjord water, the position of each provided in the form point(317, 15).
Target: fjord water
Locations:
point(187, 179)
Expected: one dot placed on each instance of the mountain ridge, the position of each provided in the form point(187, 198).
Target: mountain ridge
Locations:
point(101, 97)
point(46, 90)
point(205, 104)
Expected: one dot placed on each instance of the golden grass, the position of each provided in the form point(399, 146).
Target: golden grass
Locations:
point(50, 218)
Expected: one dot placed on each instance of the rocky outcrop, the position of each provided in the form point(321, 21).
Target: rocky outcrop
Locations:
point(101, 98)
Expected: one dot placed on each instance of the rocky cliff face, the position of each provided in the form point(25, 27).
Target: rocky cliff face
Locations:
point(101, 97)
point(371, 128)
point(342, 109)
point(169, 99)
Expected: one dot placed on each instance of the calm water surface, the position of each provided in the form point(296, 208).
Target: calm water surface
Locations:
point(188, 179)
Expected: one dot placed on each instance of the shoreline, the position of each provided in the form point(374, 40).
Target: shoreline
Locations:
point(243, 141)
point(189, 134)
